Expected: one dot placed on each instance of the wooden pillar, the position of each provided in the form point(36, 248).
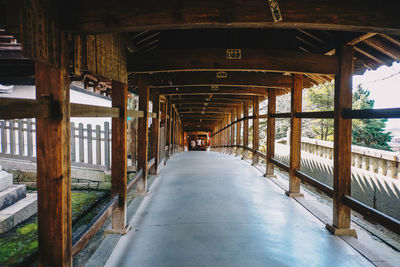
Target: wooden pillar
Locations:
point(295, 136)
point(232, 143)
point(119, 98)
point(256, 133)
point(170, 121)
point(342, 144)
point(173, 132)
point(245, 129)
point(228, 134)
point(155, 130)
point(271, 134)
point(166, 130)
point(238, 113)
point(54, 169)
point(220, 136)
point(143, 133)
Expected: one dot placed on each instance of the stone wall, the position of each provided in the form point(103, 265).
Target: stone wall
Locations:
point(374, 189)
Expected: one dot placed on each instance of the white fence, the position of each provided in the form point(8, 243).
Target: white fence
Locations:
point(90, 144)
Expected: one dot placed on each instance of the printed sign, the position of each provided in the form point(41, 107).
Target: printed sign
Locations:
point(233, 53)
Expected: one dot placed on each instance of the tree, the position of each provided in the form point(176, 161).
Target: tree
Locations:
point(320, 98)
point(368, 132)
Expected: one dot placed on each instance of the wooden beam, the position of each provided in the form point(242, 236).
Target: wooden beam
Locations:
point(207, 90)
point(383, 47)
point(143, 135)
point(295, 137)
point(100, 16)
point(155, 131)
point(256, 130)
point(342, 145)
point(214, 59)
point(119, 100)
point(80, 110)
point(212, 97)
point(11, 108)
point(208, 78)
point(245, 130)
point(271, 133)
point(54, 170)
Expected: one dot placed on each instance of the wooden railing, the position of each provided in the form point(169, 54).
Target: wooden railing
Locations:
point(22, 143)
point(224, 139)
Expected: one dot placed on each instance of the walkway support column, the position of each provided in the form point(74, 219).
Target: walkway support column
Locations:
point(245, 129)
point(238, 113)
point(256, 133)
point(155, 130)
point(295, 136)
point(166, 125)
point(54, 169)
point(170, 125)
point(271, 134)
point(342, 144)
point(143, 135)
point(220, 136)
point(233, 118)
point(119, 99)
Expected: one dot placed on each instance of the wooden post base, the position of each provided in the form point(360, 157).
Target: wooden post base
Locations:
point(270, 176)
point(290, 194)
point(118, 231)
point(141, 187)
point(341, 232)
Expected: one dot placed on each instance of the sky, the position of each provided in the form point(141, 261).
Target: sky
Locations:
point(384, 86)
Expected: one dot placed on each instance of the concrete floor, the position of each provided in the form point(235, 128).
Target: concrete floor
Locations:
point(209, 209)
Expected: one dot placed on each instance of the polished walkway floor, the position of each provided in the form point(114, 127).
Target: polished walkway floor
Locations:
point(210, 209)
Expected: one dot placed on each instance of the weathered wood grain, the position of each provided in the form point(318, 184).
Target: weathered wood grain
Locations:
point(54, 171)
point(143, 135)
point(213, 59)
point(119, 98)
point(256, 129)
point(342, 140)
point(155, 131)
point(295, 135)
point(271, 132)
point(359, 15)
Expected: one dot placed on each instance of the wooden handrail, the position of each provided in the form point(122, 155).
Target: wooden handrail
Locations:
point(15, 108)
point(135, 113)
point(280, 164)
point(134, 180)
point(379, 217)
point(280, 115)
point(372, 113)
point(80, 110)
point(315, 115)
point(91, 229)
point(150, 163)
point(152, 115)
point(314, 182)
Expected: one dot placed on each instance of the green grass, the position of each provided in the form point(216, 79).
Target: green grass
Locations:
point(21, 243)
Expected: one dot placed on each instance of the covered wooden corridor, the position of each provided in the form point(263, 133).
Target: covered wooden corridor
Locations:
point(225, 214)
point(196, 66)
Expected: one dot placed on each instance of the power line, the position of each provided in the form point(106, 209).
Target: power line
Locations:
point(382, 79)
